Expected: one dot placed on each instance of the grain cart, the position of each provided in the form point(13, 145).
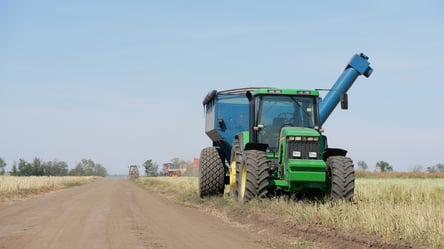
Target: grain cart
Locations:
point(133, 171)
point(269, 141)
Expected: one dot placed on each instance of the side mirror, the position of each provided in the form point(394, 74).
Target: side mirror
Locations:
point(344, 101)
point(221, 123)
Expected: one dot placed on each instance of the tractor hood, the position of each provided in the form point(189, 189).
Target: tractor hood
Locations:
point(299, 131)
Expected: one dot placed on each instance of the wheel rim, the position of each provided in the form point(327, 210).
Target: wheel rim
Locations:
point(233, 175)
point(243, 180)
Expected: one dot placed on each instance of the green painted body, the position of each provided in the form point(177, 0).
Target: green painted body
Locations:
point(295, 174)
point(302, 170)
point(299, 175)
point(286, 91)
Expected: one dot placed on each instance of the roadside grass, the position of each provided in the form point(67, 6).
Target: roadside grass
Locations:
point(392, 174)
point(19, 187)
point(402, 209)
point(182, 188)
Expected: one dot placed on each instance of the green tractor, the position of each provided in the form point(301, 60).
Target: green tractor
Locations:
point(269, 141)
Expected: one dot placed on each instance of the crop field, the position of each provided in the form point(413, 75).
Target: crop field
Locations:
point(406, 209)
point(14, 187)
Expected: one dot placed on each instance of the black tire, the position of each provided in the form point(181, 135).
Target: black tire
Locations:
point(341, 177)
point(235, 167)
point(254, 175)
point(211, 173)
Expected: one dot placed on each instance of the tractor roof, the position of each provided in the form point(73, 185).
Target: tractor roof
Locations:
point(259, 90)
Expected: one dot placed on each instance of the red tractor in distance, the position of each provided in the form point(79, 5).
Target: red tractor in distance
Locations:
point(133, 171)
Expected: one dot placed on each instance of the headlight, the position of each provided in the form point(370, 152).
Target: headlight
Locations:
point(312, 155)
point(299, 138)
point(296, 154)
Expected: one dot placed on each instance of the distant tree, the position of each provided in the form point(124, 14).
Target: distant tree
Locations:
point(2, 166)
point(77, 171)
point(417, 168)
point(151, 168)
point(24, 168)
point(100, 170)
point(362, 165)
point(60, 168)
point(436, 168)
point(14, 170)
point(55, 168)
point(37, 167)
point(383, 166)
point(87, 167)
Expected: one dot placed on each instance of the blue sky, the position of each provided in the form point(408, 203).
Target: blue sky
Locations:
point(121, 82)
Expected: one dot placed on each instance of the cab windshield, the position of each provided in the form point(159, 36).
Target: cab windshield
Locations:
point(276, 111)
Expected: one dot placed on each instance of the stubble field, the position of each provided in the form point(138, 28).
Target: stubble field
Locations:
point(401, 209)
point(14, 187)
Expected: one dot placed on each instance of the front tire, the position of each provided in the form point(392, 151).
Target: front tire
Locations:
point(341, 177)
point(254, 175)
point(211, 173)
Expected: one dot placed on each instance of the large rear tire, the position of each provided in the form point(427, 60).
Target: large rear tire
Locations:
point(254, 175)
point(341, 176)
point(211, 173)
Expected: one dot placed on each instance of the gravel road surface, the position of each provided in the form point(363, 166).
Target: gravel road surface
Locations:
point(114, 214)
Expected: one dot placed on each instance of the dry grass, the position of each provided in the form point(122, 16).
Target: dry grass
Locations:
point(408, 210)
point(14, 187)
point(396, 209)
point(184, 188)
point(370, 174)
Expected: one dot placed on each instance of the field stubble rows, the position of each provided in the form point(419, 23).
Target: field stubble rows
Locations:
point(395, 209)
point(14, 187)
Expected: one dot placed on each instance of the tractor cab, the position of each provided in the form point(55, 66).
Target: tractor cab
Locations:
point(277, 109)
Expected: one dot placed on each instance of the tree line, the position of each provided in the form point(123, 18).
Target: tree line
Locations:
point(383, 166)
point(152, 168)
point(37, 167)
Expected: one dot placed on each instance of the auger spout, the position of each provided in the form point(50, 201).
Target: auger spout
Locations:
point(358, 65)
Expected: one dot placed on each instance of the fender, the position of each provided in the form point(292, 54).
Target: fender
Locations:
point(333, 152)
point(256, 146)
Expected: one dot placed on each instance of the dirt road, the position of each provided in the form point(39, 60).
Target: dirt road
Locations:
point(121, 214)
point(113, 214)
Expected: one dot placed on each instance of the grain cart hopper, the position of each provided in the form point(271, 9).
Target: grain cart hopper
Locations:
point(268, 141)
